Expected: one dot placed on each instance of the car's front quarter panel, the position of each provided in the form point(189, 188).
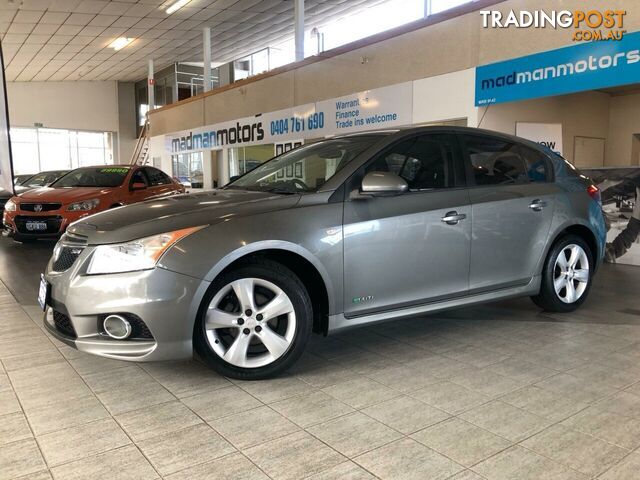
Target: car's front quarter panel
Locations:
point(313, 232)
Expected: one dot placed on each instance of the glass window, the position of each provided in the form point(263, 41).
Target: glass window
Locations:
point(495, 161)
point(243, 159)
point(425, 162)
point(187, 169)
point(536, 164)
point(305, 169)
point(102, 177)
point(139, 176)
point(157, 177)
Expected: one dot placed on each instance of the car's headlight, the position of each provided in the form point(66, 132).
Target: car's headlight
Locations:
point(142, 254)
point(84, 206)
point(10, 206)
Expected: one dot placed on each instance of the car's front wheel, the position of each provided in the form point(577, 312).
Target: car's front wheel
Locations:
point(255, 321)
point(567, 276)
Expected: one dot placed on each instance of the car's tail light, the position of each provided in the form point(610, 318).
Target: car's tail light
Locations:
point(594, 192)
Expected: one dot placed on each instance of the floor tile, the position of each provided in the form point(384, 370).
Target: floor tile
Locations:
point(577, 389)
point(157, 420)
point(486, 382)
point(64, 415)
point(18, 362)
point(9, 403)
point(354, 434)
point(273, 390)
point(404, 378)
point(461, 441)
point(293, 457)
point(234, 466)
point(78, 442)
point(407, 459)
point(578, 451)
point(517, 463)
point(252, 427)
point(610, 427)
point(221, 402)
point(505, 420)
point(346, 470)
point(450, 397)
point(406, 414)
point(20, 458)
point(544, 403)
point(627, 469)
point(127, 461)
point(186, 378)
point(184, 448)
point(360, 392)
point(316, 407)
point(14, 427)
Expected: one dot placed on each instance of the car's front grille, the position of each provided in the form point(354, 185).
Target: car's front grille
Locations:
point(40, 207)
point(52, 224)
point(66, 258)
point(63, 324)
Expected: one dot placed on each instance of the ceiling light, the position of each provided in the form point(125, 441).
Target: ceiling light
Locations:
point(120, 43)
point(176, 6)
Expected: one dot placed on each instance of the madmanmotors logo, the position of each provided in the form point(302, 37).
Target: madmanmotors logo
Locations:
point(587, 25)
point(253, 132)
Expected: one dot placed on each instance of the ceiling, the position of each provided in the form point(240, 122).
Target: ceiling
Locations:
point(67, 40)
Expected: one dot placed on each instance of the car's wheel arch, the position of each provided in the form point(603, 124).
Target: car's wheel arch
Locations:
point(298, 259)
point(582, 230)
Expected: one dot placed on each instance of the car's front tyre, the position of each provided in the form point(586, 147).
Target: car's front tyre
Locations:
point(254, 322)
point(567, 276)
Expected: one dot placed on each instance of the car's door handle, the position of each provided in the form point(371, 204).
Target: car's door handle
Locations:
point(452, 218)
point(537, 205)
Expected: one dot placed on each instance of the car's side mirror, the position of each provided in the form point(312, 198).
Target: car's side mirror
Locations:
point(138, 186)
point(383, 184)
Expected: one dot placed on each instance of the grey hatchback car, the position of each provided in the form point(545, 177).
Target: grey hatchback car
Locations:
point(344, 232)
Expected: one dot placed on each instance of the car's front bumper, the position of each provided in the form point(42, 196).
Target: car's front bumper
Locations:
point(167, 302)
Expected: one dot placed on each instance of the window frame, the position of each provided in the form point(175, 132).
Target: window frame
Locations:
point(354, 182)
point(519, 146)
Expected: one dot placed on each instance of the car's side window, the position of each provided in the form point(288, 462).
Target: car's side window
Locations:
point(425, 162)
point(157, 177)
point(495, 161)
point(139, 177)
point(536, 163)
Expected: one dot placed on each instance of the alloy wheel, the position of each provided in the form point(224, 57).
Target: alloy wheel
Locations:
point(571, 273)
point(250, 323)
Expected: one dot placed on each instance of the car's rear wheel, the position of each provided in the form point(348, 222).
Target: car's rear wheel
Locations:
point(255, 321)
point(567, 276)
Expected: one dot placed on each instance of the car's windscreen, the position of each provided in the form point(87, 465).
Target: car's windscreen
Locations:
point(104, 177)
point(43, 179)
point(305, 169)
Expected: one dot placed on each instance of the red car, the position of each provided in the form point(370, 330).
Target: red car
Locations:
point(47, 212)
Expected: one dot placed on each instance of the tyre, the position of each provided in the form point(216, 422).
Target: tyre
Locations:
point(255, 321)
point(567, 276)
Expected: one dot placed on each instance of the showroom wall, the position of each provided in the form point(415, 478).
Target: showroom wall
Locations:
point(437, 48)
point(94, 106)
point(624, 129)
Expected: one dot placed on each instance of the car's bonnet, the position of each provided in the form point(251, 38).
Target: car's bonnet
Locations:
point(176, 212)
point(64, 195)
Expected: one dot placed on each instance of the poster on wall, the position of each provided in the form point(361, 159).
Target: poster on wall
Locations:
point(547, 134)
point(620, 191)
point(6, 167)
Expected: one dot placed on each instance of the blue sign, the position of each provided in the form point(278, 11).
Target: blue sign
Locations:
point(577, 68)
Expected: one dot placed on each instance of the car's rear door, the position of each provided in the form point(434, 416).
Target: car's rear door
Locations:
point(513, 200)
point(399, 251)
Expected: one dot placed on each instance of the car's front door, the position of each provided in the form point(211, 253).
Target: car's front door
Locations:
point(136, 191)
point(401, 250)
point(512, 201)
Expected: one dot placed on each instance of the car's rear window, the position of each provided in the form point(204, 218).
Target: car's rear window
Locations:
point(104, 177)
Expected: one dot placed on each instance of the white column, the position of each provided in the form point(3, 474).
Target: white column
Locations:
point(223, 166)
point(206, 41)
point(151, 87)
point(299, 28)
point(427, 8)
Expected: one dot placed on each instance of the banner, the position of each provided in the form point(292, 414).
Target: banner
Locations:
point(547, 134)
point(588, 66)
point(6, 166)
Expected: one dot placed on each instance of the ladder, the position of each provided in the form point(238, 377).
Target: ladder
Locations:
point(141, 151)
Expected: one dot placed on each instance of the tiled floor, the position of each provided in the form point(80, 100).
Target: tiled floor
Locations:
point(497, 392)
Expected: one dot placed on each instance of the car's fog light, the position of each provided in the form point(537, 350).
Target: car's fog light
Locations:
point(117, 327)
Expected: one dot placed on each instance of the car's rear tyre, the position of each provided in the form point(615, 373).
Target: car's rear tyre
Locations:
point(255, 321)
point(566, 276)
